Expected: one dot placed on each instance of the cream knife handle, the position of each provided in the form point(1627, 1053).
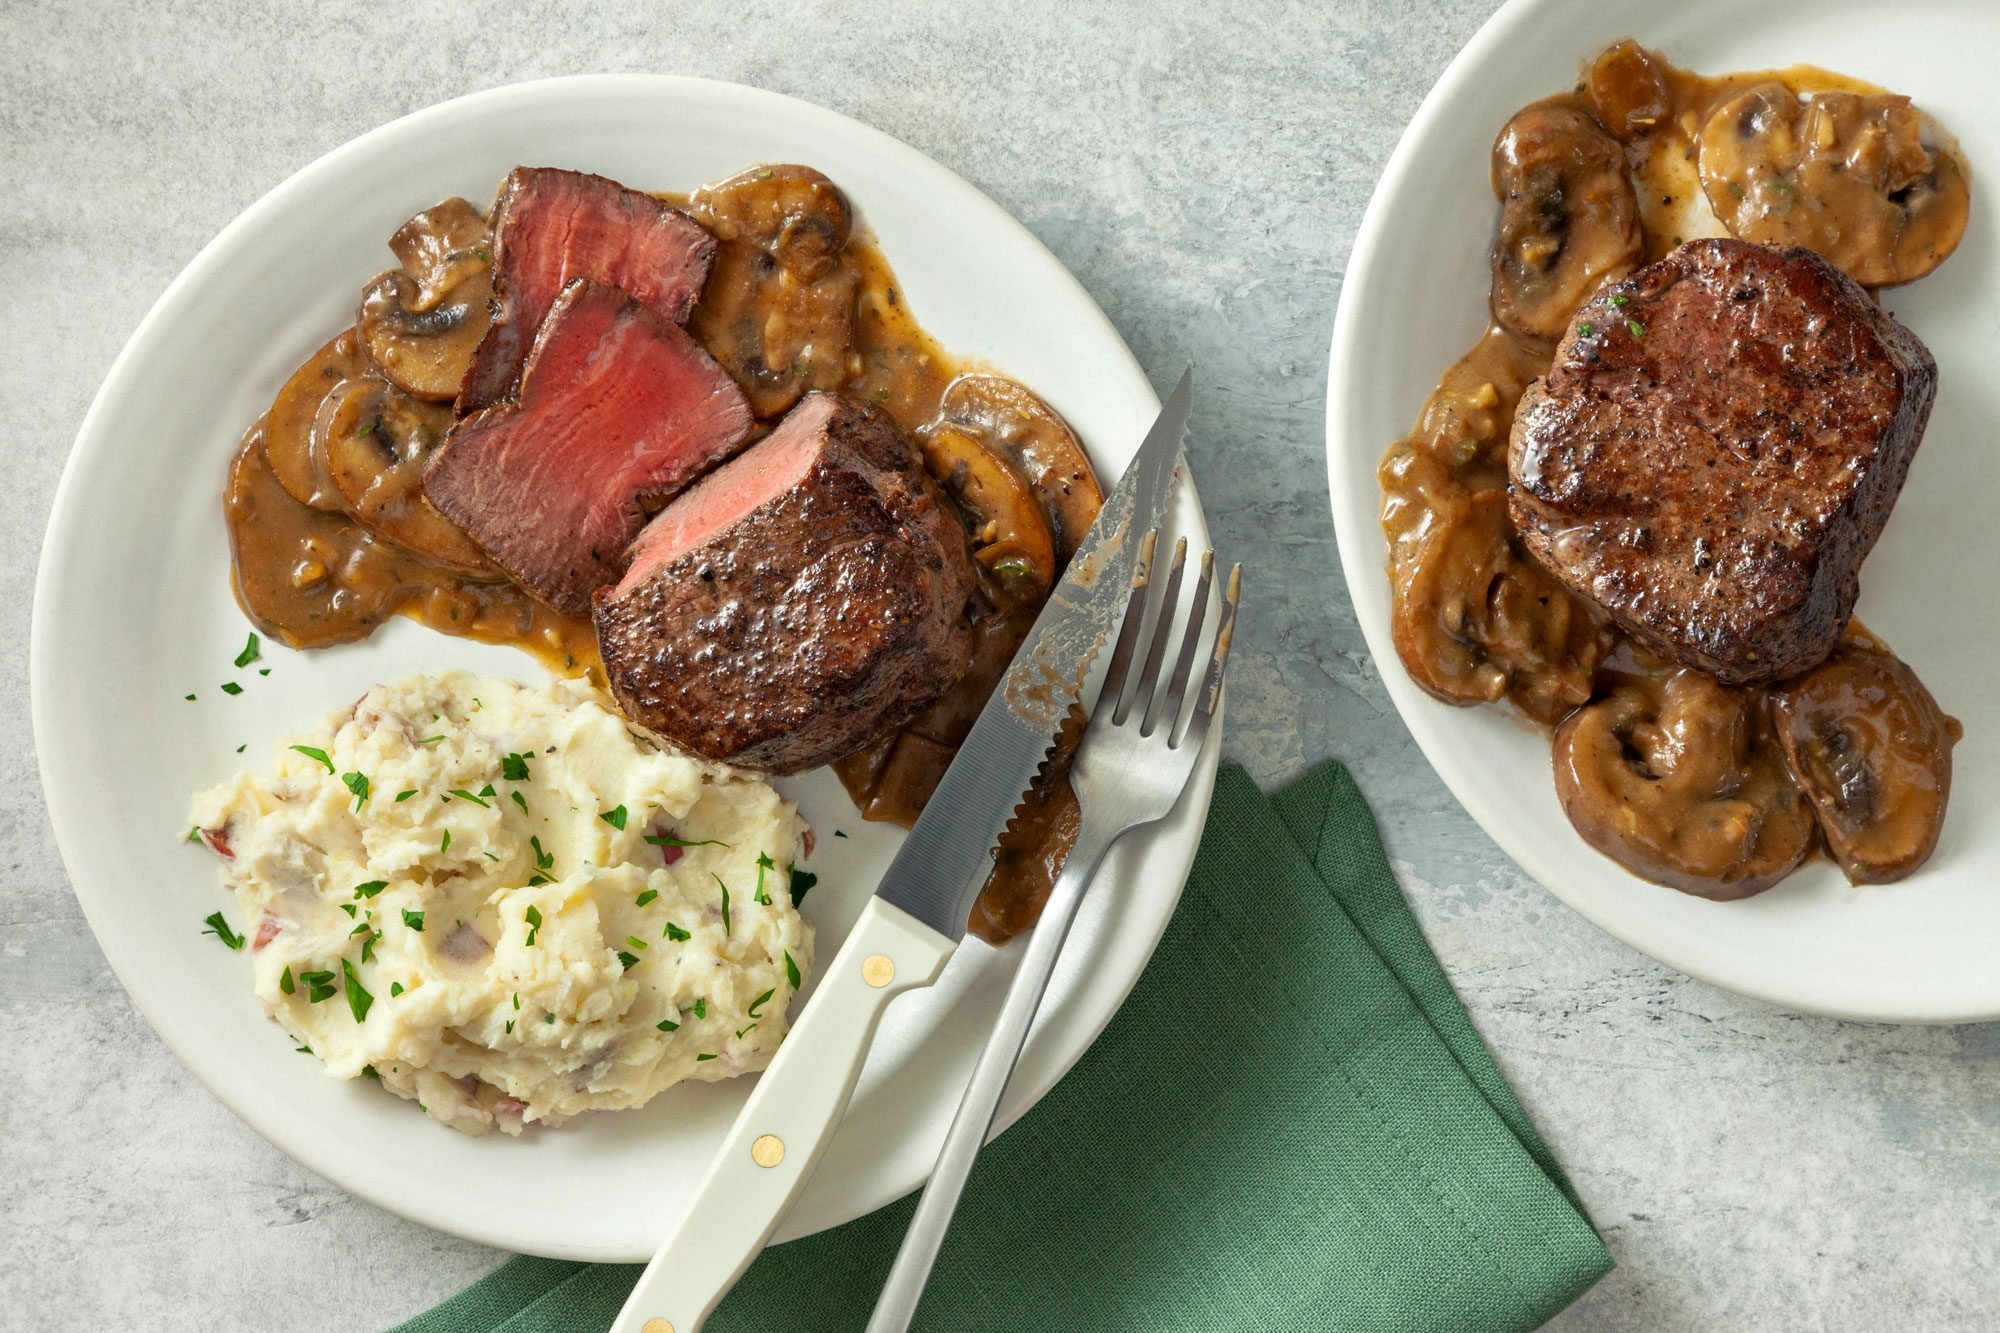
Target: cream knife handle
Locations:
point(776, 1141)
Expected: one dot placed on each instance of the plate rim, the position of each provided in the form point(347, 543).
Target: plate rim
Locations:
point(321, 1157)
point(1361, 555)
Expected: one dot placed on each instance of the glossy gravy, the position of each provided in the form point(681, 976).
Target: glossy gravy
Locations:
point(1708, 788)
point(795, 301)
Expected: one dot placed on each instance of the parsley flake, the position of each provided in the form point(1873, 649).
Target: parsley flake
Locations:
point(316, 755)
point(758, 1004)
point(645, 897)
point(614, 817)
point(630, 960)
point(667, 1025)
point(465, 795)
point(1585, 330)
point(1635, 328)
point(358, 998)
point(635, 941)
point(725, 900)
point(414, 920)
point(533, 917)
point(701, 1007)
point(663, 840)
point(758, 896)
point(285, 982)
point(403, 796)
point(674, 932)
point(319, 985)
point(705, 1055)
point(543, 860)
point(519, 800)
point(251, 652)
point(791, 970)
point(371, 888)
point(395, 989)
point(514, 768)
point(801, 881)
point(219, 928)
point(358, 784)
point(231, 687)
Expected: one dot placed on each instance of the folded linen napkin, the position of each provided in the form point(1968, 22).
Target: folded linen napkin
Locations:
point(1291, 1124)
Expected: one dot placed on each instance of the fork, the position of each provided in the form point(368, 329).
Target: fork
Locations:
point(1132, 765)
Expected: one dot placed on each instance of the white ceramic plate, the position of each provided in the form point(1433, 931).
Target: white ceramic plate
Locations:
point(133, 611)
point(1415, 299)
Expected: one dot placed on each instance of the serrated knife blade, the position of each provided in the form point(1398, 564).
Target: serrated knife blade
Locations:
point(944, 862)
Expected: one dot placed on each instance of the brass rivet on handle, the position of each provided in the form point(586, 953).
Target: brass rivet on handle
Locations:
point(768, 1150)
point(878, 970)
point(656, 1326)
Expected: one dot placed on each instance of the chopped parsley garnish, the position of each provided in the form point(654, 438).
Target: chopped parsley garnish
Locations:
point(194, 833)
point(231, 687)
point(635, 941)
point(285, 982)
point(251, 652)
point(701, 1007)
point(358, 929)
point(263, 671)
point(395, 989)
point(674, 932)
point(368, 1071)
point(791, 970)
point(1586, 329)
point(241, 748)
point(758, 1004)
point(319, 985)
point(220, 929)
point(839, 834)
point(539, 878)
point(801, 881)
point(705, 1055)
point(189, 698)
point(517, 1002)
point(1620, 301)
point(645, 897)
point(510, 1027)
point(358, 998)
point(758, 896)
point(349, 908)
point(742, 1030)
point(317, 756)
point(402, 796)
point(465, 795)
point(630, 960)
point(614, 817)
point(514, 768)
point(371, 888)
point(725, 900)
point(1635, 328)
point(444, 843)
point(358, 784)
point(543, 860)
point(368, 946)
point(302, 1050)
point(491, 856)
point(533, 917)
point(667, 1025)
point(548, 1018)
point(414, 920)
point(519, 800)
point(663, 840)
point(430, 740)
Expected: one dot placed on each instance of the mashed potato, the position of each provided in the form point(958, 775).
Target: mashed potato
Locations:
point(505, 907)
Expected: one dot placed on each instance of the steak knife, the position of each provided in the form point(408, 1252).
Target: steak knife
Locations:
point(918, 915)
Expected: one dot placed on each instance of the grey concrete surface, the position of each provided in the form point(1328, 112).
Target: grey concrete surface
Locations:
point(1201, 168)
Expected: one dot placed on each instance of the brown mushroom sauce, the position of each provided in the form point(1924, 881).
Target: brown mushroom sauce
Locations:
point(1713, 790)
point(330, 533)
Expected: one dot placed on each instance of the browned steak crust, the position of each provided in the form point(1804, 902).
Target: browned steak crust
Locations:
point(1715, 451)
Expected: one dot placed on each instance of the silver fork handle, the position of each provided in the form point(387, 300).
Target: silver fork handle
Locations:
point(904, 1290)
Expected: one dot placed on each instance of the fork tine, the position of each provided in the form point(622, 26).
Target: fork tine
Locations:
point(1204, 708)
point(1168, 708)
point(1128, 633)
point(1156, 652)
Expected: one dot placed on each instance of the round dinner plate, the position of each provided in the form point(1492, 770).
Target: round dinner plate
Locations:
point(1927, 949)
point(133, 611)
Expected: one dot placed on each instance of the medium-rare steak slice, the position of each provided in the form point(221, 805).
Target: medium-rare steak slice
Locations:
point(552, 226)
point(617, 407)
point(796, 602)
point(1715, 451)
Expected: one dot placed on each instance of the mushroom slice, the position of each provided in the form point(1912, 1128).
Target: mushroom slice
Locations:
point(792, 213)
point(778, 310)
point(1029, 434)
point(1872, 749)
point(420, 325)
point(288, 429)
point(1863, 179)
point(1473, 618)
point(375, 440)
point(441, 248)
point(1010, 537)
point(1568, 216)
point(1678, 778)
point(1627, 90)
point(425, 352)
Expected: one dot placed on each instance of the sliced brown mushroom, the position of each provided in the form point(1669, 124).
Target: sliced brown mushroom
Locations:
point(1626, 88)
point(1862, 179)
point(1679, 780)
point(375, 441)
point(421, 324)
point(288, 425)
point(1568, 216)
point(778, 311)
point(1010, 537)
point(1872, 749)
point(1029, 434)
point(1473, 618)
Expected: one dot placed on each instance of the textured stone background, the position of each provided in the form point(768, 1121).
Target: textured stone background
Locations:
point(1202, 173)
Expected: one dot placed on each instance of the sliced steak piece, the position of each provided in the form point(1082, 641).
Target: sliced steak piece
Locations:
point(617, 408)
point(798, 601)
point(1715, 451)
point(552, 226)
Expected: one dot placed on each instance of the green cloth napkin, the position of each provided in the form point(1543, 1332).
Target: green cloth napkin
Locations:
point(1291, 1124)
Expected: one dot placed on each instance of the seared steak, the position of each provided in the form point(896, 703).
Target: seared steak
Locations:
point(1715, 451)
point(552, 226)
point(617, 407)
point(797, 601)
